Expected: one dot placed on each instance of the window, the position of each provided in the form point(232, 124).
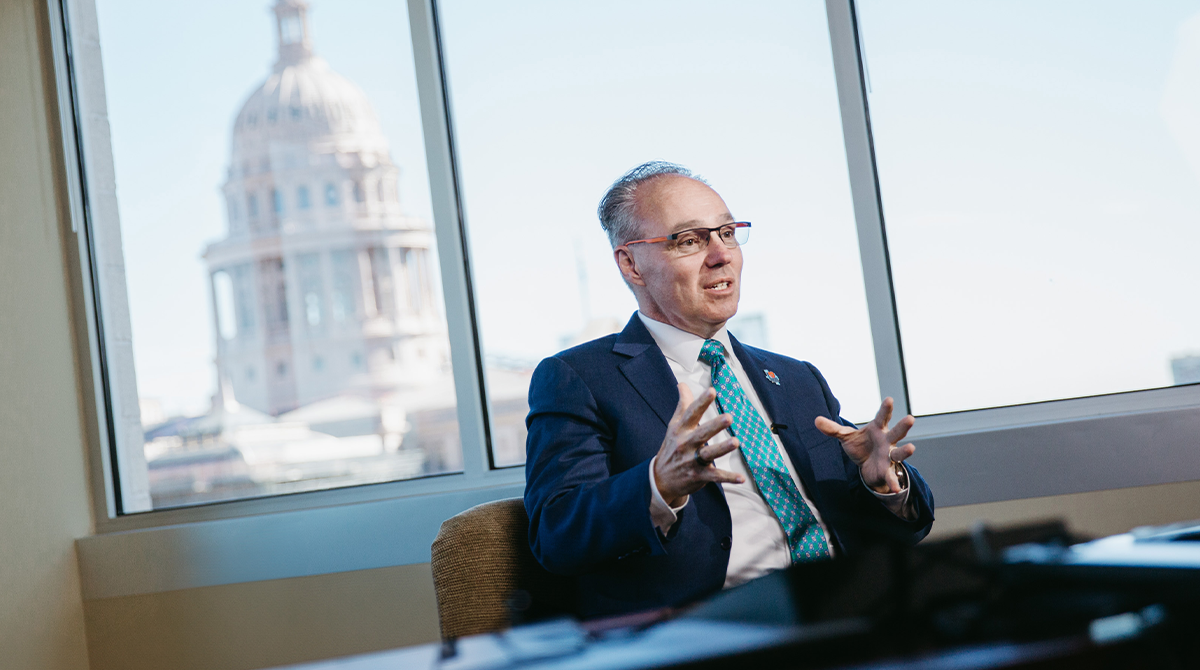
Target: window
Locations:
point(1038, 166)
point(238, 337)
point(223, 295)
point(757, 116)
point(311, 287)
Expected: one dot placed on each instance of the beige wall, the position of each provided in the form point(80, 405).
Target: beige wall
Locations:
point(43, 483)
point(244, 626)
point(1093, 514)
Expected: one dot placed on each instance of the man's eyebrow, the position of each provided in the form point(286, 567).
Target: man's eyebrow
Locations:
point(696, 223)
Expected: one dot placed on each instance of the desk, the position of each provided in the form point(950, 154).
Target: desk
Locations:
point(954, 604)
point(704, 646)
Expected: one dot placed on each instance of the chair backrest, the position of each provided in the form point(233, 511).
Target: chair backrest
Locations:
point(485, 576)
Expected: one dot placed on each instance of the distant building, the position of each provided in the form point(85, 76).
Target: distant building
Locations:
point(330, 280)
point(1186, 370)
point(333, 361)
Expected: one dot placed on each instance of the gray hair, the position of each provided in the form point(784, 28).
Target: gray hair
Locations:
point(617, 210)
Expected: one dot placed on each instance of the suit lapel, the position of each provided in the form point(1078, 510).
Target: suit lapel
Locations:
point(647, 369)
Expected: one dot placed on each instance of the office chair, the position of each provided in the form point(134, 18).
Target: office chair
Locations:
point(486, 578)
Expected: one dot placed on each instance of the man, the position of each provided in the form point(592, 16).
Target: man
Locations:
point(639, 487)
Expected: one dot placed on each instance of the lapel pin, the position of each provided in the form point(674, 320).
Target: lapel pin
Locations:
point(772, 377)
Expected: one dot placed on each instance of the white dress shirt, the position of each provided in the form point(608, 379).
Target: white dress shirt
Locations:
point(759, 543)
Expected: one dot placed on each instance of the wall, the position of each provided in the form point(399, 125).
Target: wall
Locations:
point(260, 624)
point(43, 482)
point(1093, 514)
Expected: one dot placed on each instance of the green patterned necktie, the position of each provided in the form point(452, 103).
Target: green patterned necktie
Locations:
point(806, 539)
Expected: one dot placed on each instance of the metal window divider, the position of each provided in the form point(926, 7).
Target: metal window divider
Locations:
point(868, 204)
point(450, 227)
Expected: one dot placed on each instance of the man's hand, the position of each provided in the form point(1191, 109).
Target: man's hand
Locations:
point(684, 461)
point(873, 447)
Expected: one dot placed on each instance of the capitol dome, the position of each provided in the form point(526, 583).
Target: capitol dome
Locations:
point(328, 285)
point(304, 100)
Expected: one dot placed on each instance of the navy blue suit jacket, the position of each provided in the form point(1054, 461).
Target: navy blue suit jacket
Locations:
point(598, 413)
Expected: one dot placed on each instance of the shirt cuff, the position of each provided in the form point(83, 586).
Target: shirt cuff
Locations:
point(663, 515)
point(897, 503)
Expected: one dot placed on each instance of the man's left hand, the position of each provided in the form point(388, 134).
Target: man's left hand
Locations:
point(873, 447)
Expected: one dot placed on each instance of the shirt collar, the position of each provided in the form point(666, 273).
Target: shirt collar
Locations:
point(680, 346)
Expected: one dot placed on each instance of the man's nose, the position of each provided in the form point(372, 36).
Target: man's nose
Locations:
point(717, 252)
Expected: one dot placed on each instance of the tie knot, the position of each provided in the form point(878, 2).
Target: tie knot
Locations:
point(711, 352)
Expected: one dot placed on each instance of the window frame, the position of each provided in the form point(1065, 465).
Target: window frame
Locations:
point(92, 196)
point(971, 457)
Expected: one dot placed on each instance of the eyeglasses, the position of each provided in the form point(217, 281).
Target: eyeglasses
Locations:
point(695, 240)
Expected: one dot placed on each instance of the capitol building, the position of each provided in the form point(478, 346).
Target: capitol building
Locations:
point(332, 356)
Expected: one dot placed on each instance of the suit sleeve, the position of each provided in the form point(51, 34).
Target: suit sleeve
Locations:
point(919, 494)
point(581, 514)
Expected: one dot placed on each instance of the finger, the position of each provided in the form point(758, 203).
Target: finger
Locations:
point(898, 454)
point(885, 413)
point(832, 428)
point(721, 476)
point(892, 481)
point(705, 431)
point(901, 429)
point(711, 452)
point(691, 416)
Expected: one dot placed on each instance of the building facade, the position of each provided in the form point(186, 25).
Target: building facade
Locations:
point(327, 281)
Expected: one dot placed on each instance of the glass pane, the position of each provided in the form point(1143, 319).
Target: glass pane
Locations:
point(1038, 171)
point(288, 328)
point(554, 101)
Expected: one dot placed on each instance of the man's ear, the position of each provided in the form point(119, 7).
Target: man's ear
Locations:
point(628, 267)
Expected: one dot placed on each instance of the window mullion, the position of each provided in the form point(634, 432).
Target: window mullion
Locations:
point(450, 229)
point(868, 206)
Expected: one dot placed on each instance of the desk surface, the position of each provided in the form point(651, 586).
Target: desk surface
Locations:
point(682, 642)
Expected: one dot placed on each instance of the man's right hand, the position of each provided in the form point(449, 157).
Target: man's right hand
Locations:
point(684, 462)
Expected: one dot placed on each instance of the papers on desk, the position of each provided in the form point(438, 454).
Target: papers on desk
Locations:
point(556, 646)
point(525, 644)
point(1172, 547)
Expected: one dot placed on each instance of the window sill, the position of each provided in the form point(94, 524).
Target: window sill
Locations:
point(1116, 441)
point(274, 545)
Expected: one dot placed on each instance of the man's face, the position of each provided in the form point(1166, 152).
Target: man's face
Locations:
point(696, 293)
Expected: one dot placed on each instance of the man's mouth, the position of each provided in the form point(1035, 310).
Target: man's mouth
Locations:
point(719, 286)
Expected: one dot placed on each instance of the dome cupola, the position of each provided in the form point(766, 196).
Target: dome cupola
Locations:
point(304, 100)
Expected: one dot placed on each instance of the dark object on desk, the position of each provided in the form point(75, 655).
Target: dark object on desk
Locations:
point(1186, 531)
point(485, 577)
point(959, 602)
point(1008, 598)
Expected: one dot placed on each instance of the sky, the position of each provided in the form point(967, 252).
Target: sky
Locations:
point(1037, 163)
point(1037, 168)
